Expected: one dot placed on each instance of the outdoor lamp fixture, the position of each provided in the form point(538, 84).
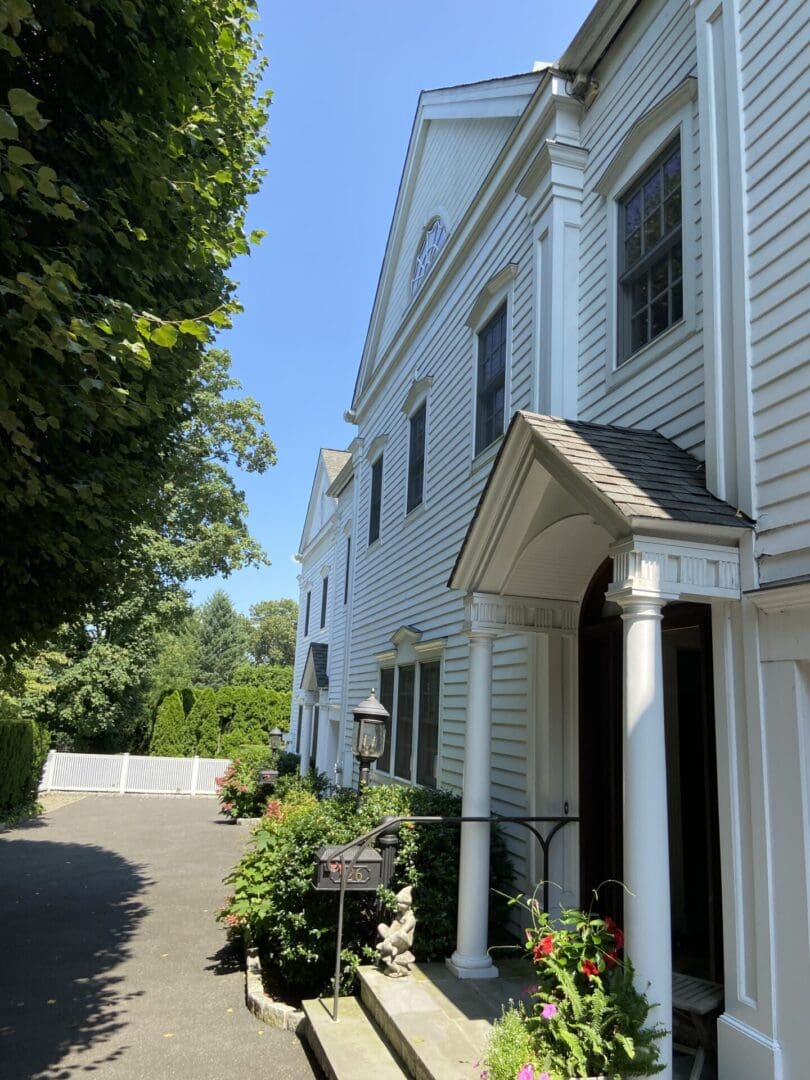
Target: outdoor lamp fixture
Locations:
point(276, 739)
point(369, 737)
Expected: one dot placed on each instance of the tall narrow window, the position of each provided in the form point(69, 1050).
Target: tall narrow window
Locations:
point(306, 614)
point(376, 501)
point(324, 597)
point(387, 701)
point(404, 736)
point(491, 381)
point(348, 567)
point(650, 258)
point(428, 735)
point(416, 459)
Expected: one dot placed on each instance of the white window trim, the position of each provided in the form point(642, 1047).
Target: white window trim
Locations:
point(670, 118)
point(417, 397)
point(436, 212)
point(499, 288)
point(410, 650)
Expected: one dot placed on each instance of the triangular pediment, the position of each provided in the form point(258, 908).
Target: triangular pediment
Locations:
point(561, 492)
point(457, 135)
point(322, 506)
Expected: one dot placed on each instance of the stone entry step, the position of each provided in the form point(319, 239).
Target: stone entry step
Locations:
point(351, 1049)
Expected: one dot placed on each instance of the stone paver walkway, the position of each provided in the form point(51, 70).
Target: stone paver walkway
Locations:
point(110, 960)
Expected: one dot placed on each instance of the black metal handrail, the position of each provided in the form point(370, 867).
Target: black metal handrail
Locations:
point(391, 823)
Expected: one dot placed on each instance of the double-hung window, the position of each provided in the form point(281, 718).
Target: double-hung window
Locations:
point(410, 693)
point(650, 254)
point(491, 384)
point(376, 501)
point(416, 458)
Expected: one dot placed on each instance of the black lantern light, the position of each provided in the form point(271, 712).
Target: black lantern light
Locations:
point(276, 739)
point(369, 736)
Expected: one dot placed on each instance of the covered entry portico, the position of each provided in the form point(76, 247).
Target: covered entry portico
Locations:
point(563, 496)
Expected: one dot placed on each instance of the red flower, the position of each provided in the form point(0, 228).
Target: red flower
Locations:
point(611, 959)
point(589, 968)
point(615, 932)
point(545, 947)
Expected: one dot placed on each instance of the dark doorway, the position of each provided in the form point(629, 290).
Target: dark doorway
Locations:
point(691, 769)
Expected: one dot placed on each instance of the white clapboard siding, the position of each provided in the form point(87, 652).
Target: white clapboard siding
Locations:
point(132, 774)
point(655, 54)
point(456, 157)
point(776, 152)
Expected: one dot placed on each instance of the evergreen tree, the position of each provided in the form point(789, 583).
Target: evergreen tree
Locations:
point(204, 722)
point(222, 641)
point(173, 735)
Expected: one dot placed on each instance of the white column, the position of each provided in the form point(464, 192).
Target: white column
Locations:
point(648, 923)
point(471, 959)
point(305, 741)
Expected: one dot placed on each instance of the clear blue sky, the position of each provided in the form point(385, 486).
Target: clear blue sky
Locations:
point(345, 77)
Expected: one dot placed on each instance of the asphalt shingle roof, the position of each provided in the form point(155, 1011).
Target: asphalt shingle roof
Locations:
point(334, 460)
point(320, 651)
point(642, 472)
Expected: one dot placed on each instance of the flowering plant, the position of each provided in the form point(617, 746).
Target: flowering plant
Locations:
point(238, 790)
point(586, 1018)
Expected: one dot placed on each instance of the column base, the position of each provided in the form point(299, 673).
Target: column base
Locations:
point(471, 967)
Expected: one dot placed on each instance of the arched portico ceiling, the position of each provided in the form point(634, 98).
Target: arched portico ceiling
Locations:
point(562, 493)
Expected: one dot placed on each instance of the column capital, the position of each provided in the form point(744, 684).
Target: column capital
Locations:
point(309, 697)
point(637, 605)
point(654, 566)
point(494, 614)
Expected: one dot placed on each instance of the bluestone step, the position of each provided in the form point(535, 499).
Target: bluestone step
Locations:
point(351, 1049)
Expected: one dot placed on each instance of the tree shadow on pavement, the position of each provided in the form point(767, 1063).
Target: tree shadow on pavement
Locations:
point(67, 912)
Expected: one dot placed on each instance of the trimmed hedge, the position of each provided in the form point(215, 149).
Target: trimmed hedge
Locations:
point(173, 734)
point(23, 749)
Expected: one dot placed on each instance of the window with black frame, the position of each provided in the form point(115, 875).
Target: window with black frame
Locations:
point(491, 384)
point(411, 694)
point(650, 254)
point(324, 600)
point(376, 501)
point(306, 613)
point(416, 459)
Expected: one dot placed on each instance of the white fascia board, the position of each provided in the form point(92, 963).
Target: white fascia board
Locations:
point(507, 169)
point(594, 37)
point(494, 98)
point(325, 533)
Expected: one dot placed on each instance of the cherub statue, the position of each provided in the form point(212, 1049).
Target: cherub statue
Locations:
point(395, 947)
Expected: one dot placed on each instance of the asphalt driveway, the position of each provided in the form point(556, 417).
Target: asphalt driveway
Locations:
point(110, 959)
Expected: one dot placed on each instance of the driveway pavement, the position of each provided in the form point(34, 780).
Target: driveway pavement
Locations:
point(110, 960)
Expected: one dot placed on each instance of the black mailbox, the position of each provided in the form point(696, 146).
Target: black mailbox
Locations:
point(363, 874)
point(267, 779)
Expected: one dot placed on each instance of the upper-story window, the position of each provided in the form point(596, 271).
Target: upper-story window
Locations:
point(491, 385)
point(306, 613)
point(432, 242)
point(416, 458)
point(324, 599)
point(376, 501)
point(347, 570)
point(650, 254)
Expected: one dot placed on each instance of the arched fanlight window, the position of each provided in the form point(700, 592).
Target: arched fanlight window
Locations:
point(433, 239)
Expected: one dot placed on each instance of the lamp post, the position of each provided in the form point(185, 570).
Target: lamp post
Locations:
point(369, 737)
point(276, 739)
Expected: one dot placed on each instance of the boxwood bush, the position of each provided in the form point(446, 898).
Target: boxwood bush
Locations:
point(23, 749)
point(295, 927)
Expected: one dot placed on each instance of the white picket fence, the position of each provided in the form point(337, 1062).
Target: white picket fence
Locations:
point(129, 774)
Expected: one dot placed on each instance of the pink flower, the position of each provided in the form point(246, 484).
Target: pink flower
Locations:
point(526, 1073)
point(549, 1011)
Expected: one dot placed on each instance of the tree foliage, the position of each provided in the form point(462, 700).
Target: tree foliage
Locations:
point(222, 641)
point(173, 734)
point(130, 133)
point(268, 676)
point(275, 625)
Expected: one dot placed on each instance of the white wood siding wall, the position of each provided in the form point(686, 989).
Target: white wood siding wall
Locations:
point(456, 156)
point(656, 54)
point(775, 84)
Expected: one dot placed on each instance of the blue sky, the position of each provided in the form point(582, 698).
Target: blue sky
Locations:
point(345, 77)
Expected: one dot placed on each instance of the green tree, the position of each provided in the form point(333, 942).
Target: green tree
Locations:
point(204, 719)
point(130, 136)
point(275, 625)
point(222, 641)
point(269, 676)
point(173, 734)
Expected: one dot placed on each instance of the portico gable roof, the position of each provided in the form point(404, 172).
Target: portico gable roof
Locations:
point(315, 675)
point(622, 480)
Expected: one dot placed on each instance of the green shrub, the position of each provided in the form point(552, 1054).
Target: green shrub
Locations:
point(23, 749)
point(204, 721)
point(295, 925)
point(290, 783)
point(270, 676)
point(173, 733)
point(247, 714)
point(288, 763)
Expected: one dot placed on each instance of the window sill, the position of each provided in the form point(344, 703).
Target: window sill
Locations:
point(416, 512)
point(484, 458)
point(671, 339)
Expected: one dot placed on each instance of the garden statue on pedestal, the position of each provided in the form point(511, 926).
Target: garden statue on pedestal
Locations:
point(396, 940)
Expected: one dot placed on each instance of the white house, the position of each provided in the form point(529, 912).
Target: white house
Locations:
point(570, 540)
